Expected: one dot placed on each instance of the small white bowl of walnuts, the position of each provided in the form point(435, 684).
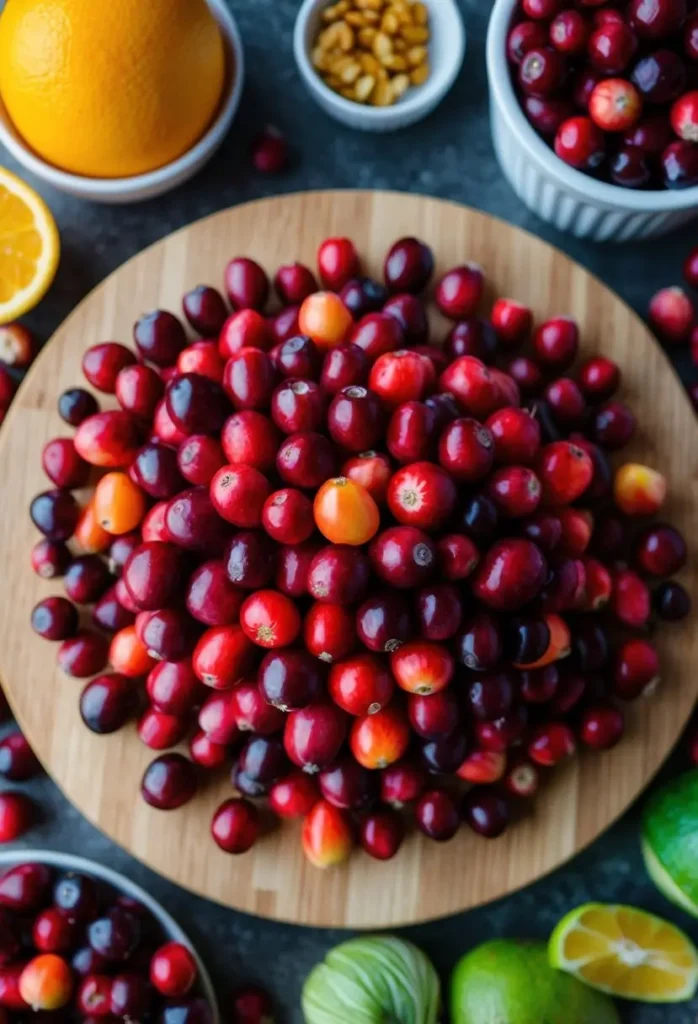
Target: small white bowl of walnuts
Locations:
point(379, 65)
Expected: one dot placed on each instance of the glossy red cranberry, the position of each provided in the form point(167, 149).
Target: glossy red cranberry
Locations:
point(246, 284)
point(76, 405)
point(459, 292)
point(477, 388)
point(661, 550)
point(457, 556)
point(551, 743)
point(17, 759)
point(235, 825)
point(566, 401)
point(660, 76)
point(62, 464)
point(270, 151)
point(403, 556)
point(541, 9)
point(238, 493)
point(169, 634)
point(411, 432)
point(437, 815)
point(439, 611)
point(306, 460)
point(52, 932)
point(159, 337)
point(139, 389)
point(173, 688)
point(409, 266)
point(102, 363)
point(684, 117)
point(338, 574)
point(217, 718)
point(205, 310)
point(50, 558)
point(410, 313)
point(510, 574)
point(672, 602)
point(293, 283)
point(466, 450)
point(347, 785)
point(527, 35)
point(293, 566)
point(548, 115)
point(486, 812)
point(55, 514)
point(376, 334)
point(343, 367)
point(55, 618)
point(290, 680)
point(614, 425)
point(284, 325)
point(202, 357)
point(656, 19)
point(169, 782)
point(251, 438)
point(355, 419)
point(515, 490)
point(200, 457)
point(381, 834)
point(294, 796)
point(580, 143)
point(94, 996)
point(422, 495)
point(680, 165)
point(599, 378)
point(338, 262)
point(152, 574)
point(24, 887)
point(163, 427)
point(402, 783)
point(542, 72)
point(296, 405)
point(115, 935)
point(526, 374)
point(601, 727)
point(433, 716)
point(314, 736)
point(373, 471)
point(83, 655)
point(108, 702)
point(569, 32)
point(479, 643)
point(244, 329)
point(612, 47)
point(251, 1005)
point(249, 379)
point(110, 614)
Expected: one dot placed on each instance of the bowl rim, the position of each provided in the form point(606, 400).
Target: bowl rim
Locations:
point(573, 180)
point(108, 187)
point(73, 862)
point(423, 98)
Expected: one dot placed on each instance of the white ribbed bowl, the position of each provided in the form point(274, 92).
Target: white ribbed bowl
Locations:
point(559, 194)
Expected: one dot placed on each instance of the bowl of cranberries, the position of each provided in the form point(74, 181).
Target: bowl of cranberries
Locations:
point(78, 940)
point(594, 112)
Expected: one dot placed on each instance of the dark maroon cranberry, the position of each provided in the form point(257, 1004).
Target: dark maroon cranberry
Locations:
point(246, 284)
point(159, 337)
point(152, 574)
point(168, 782)
point(85, 961)
point(169, 634)
point(445, 409)
point(542, 72)
point(660, 76)
point(50, 558)
point(363, 295)
point(526, 640)
point(680, 165)
point(306, 460)
point(527, 35)
point(355, 419)
point(130, 996)
point(263, 759)
point(86, 579)
point(630, 168)
point(661, 550)
point(196, 404)
point(293, 283)
point(478, 518)
point(411, 314)
point(584, 83)
point(211, 597)
point(445, 754)
point(344, 366)
point(474, 337)
point(437, 714)
point(205, 309)
point(55, 514)
point(55, 618)
point(437, 815)
point(156, 471)
point(250, 559)
point(383, 622)
point(381, 834)
point(338, 574)
point(186, 1011)
point(526, 374)
point(297, 357)
point(672, 602)
point(403, 556)
point(539, 685)
point(17, 759)
point(602, 480)
point(245, 784)
point(75, 405)
point(589, 646)
point(439, 611)
point(657, 19)
point(84, 654)
point(651, 134)
point(24, 887)
point(611, 47)
point(293, 566)
point(412, 431)
point(544, 529)
point(116, 935)
point(546, 115)
point(192, 522)
point(290, 679)
point(486, 811)
point(297, 404)
point(479, 643)
point(347, 785)
point(108, 702)
point(408, 266)
point(491, 696)
point(76, 896)
point(614, 425)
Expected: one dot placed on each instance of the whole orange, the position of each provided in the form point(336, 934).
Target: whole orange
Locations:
point(110, 89)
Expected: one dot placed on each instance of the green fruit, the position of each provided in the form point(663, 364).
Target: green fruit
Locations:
point(670, 841)
point(510, 982)
point(375, 980)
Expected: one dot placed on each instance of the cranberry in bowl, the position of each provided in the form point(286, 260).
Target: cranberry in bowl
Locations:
point(581, 118)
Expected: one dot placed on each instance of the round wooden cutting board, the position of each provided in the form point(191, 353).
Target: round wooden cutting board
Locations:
point(101, 775)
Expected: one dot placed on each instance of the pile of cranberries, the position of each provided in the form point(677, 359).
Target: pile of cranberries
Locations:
point(361, 571)
point(75, 949)
point(612, 86)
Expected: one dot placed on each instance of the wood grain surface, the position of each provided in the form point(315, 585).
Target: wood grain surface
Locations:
point(101, 776)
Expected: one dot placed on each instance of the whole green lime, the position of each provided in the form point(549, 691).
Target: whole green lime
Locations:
point(510, 982)
point(670, 841)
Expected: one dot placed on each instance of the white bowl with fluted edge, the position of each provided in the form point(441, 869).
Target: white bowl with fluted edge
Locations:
point(154, 183)
point(559, 194)
point(446, 52)
point(124, 886)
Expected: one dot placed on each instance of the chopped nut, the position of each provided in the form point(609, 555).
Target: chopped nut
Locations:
point(319, 58)
point(369, 64)
point(382, 95)
point(348, 93)
point(399, 45)
point(350, 72)
point(414, 34)
point(369, 5)
point(419, 75)
point(372, 17)
point(329, 38)
point(367, 35)
point(400, 84)
point(382, 46)
point(420, 14)
point(416, 55)
point(395, 63)
point(355, 18)
point(346, 37)
point(390, 23)
point(364, 87)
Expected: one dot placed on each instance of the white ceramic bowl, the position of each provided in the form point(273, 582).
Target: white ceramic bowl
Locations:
point(446, 52)
point(557, 193)
point(154, 183)
point(67, 862)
